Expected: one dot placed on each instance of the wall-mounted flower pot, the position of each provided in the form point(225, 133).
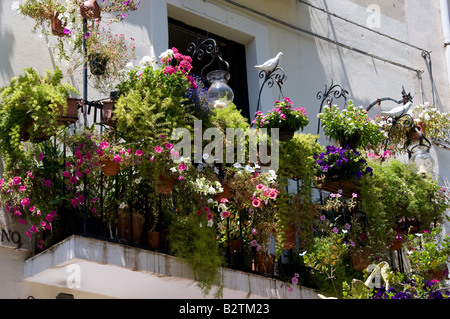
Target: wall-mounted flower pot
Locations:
point(108, 113)
point(71, 115)
point(97, 63)
point(110, 167)
point(90, 10)
point(290, 234)
point(265, 263)
point(58, 27)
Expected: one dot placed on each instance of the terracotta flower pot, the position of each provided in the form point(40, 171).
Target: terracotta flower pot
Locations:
point(225, 194)
point(110, 167)
point(71, 116)
point(154, 239)
point(265, 263)
point(290, 237)
point(90, 10)
point(361, 260)
point(107, 113)
point(124, 226)
point(235, 245)
point(164, 185)
point(57, 26)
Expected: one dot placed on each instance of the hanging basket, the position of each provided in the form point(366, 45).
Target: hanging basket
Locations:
point(350, 140)
point(97, 63)
point(90, 10)
point(286, 133)
point(110, 167)
point(225, 194)
point(164, 185)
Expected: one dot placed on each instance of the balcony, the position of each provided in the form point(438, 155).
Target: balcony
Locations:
point(128, 272)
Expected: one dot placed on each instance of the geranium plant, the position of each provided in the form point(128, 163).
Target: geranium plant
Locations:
point(351, 126)
point(283, 115)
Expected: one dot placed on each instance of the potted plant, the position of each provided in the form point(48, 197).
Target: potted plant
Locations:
point(284, 117)
point(30, 108)
point(341, 168)
point(154, 101)
point(396, 192)
point(351, 126)
point(434, 124)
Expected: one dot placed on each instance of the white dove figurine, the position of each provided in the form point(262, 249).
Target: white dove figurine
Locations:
point(271, 64)
point(397, 111)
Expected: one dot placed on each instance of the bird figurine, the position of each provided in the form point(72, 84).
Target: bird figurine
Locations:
point(398, 111)
point(270, 65)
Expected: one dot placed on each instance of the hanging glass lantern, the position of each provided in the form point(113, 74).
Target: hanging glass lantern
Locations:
point(219, 94)
point(423, 161)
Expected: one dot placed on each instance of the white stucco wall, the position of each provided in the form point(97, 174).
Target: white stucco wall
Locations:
point(352, 56)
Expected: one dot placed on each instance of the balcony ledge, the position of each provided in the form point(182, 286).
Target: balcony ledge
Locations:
point(124, 272)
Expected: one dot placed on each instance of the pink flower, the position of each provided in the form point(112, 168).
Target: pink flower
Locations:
point(47, 183)
point(182, 167)
point(199, 212)
point(73, 180)
point(256, 202)
point(209, 216)
point(17, 180)
point(74, 202)
point(25, 202)
point(294, 280)
point(49, 218)
point(260, 186)
point(34, 229)
point(139, 153)
point(32, 208)
point(180, 178)
point(169, 146)
point(205, 209)
point(117, 158)
point(22, 221)
point(22, 188)
point(66, 174)
point(158, 149)
point(30, 175)
point(100, 153)
point(254, 243)
point(104, 145)
point(273, 195)
point(226, 214)
point(41, 157)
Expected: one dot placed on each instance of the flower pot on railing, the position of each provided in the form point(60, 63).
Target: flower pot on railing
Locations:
point(154, 239)
point(110, 167)
point(124, 228)
point(361, 259)
point(90, 10)
point(71, 115)
point(97, 63)
point(107, 113)
point(265, 263)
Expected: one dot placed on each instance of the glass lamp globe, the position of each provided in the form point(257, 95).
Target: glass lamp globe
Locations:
point(423, 161)
point(219, 94)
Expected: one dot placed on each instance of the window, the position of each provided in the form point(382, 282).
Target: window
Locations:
point(181, 35)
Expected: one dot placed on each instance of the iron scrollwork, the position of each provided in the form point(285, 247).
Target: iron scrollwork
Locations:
point(335, 91)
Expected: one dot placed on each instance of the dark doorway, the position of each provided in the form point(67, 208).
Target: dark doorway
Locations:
point(181, 35)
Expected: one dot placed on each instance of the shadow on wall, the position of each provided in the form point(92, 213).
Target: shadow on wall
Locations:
point(6, 47)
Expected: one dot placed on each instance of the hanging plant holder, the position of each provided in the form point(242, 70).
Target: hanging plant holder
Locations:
point(97, 63)
point(58, 27)
point(286, 133)
point(110, 167)
point(164, 185)
point(90, 10)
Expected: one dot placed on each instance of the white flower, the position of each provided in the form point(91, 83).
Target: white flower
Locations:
point(237, 165)
point(16, 7)
point(146, 60)
point(249, 169)
point(166, 54)
point(210, 223)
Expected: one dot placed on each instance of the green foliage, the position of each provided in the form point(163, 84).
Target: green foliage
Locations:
point(152, 104)
point(395, 191)
point(29, 109)
point(191, 239)
point(350, 122)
